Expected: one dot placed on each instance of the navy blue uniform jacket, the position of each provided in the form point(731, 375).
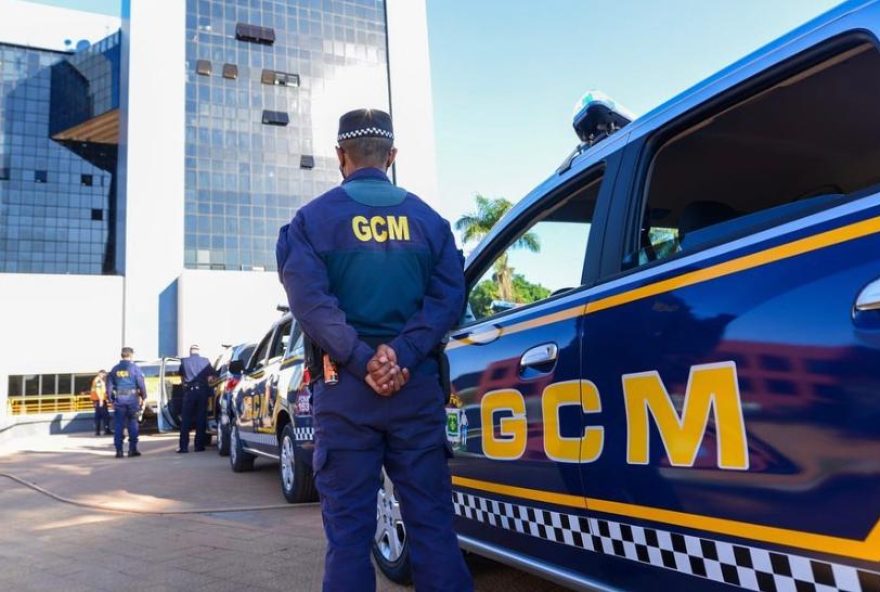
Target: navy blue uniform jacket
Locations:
point(196, 370)
point(368, 263)
point(126, 376)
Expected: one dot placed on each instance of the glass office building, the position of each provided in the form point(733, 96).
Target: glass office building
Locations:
point(254, 71)
point(147, 162)
point(55, 197)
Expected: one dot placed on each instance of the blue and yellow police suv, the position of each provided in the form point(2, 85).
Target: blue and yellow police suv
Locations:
point(668, 376)
point(271, 411)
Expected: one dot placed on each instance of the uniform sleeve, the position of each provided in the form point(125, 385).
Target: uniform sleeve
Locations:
point(111, 381)
point(307, 284)
point(139, 376)
point(441, 309)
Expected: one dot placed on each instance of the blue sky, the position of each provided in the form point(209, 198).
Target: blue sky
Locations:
point(506, 73)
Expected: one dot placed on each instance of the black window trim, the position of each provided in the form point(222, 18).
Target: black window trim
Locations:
point(604, 169)
point(643, 151)
point(276, 337)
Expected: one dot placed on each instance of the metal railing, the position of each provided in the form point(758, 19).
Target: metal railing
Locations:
point(38, 404)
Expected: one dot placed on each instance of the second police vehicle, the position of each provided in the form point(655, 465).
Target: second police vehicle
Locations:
point(272, 412)
point(680, 390)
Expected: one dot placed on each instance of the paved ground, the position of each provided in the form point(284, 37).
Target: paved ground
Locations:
point(49, 545)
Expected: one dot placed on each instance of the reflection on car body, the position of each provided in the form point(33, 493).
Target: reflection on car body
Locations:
point(708, 414)
point(272, 415)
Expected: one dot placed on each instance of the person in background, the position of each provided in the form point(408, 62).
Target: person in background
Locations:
point(98, 395)
point(125, 385)
point(197, 374)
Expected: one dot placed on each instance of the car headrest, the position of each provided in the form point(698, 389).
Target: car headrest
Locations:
point(700, 214)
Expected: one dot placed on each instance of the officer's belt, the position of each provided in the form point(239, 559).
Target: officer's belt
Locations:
point(126, 392)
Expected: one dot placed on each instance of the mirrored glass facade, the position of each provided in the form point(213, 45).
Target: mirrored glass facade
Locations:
point(250, 127)
point(55, 198)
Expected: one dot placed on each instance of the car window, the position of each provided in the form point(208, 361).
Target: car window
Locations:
point(295, 346)
point(281, 340)
point(807, 143)
point(259, 357)
point(544, 259)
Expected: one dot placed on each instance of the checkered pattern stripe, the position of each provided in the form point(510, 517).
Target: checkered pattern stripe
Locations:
point(739, 565)
point(366, 131)
point(304, 433)
point(266, 439)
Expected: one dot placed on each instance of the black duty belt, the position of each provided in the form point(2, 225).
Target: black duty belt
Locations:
point(126, 392)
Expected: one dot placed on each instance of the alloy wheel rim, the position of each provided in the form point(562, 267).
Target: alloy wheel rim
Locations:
point(287, 463)
point(390, 535)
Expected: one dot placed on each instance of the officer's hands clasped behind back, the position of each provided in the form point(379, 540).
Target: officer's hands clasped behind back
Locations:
point(385, 376)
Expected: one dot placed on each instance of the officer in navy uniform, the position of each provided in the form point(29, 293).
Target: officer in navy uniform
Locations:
point(197, 374)
point(373, 276)
point(125, 383)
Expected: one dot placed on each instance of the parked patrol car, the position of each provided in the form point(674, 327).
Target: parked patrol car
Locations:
point(692, 401)
point(220, 408)
point(272, 412)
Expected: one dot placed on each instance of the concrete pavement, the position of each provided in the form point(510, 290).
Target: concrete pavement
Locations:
point(48, 545)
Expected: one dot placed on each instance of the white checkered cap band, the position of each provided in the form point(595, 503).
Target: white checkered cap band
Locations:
point(366, 131)
point(748, 567)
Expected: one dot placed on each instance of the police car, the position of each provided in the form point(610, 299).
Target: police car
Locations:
point(272, 412)
point(220, 408)
point(683, 393)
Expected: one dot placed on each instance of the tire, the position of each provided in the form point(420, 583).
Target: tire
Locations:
point(390, 543)
point(297, 481)
point(223, 437)
point(239, 460)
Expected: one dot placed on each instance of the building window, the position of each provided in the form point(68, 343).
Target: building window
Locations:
point(275, 117)
point(279, 78)
point(254, 34)
point(41, 176)
point(230, 71)
point(15, 389)
point(203, 68)
point(306, 161)
point(86, 180)
point(97, 215)
point(4, 174)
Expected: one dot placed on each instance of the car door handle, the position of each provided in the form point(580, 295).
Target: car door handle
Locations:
point(539, 355)
point(869, 297)
point(480, 336)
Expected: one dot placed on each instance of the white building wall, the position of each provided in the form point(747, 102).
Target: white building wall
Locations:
point(50, 27)
point(409, 65)
point(57, 323)
point(151, 168)
point(226, 307)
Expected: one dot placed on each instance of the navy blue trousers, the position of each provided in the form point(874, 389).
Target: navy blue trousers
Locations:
point(125, 411)
point(194, 411)
point(102, 417)
point(356, 433)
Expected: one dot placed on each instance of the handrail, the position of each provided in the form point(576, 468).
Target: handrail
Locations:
point(39, 404)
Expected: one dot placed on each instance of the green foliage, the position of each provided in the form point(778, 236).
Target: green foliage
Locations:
point(488, 291)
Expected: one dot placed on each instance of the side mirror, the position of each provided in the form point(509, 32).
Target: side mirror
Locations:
point(501, 305)
point(236, 367)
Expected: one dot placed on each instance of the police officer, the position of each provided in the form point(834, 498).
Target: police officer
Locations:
point(98, 395)
point(125, 383)
point(197, 374)
point(373, 276)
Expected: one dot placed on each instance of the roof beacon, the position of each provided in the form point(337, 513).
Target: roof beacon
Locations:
point(596, 116)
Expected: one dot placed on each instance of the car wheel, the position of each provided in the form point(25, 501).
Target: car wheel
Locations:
point(390, 544)
point(297, 481)
point(240, 460)
point(223, 438)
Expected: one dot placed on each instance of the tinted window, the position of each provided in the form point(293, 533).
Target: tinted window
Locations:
point(544, 259)
point(282, 339)
point(807, 143)
point(259, 357)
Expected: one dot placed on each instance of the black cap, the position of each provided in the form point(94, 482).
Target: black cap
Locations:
point(365, 123)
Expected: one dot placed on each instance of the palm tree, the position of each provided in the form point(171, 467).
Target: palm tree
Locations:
point(475, 225)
